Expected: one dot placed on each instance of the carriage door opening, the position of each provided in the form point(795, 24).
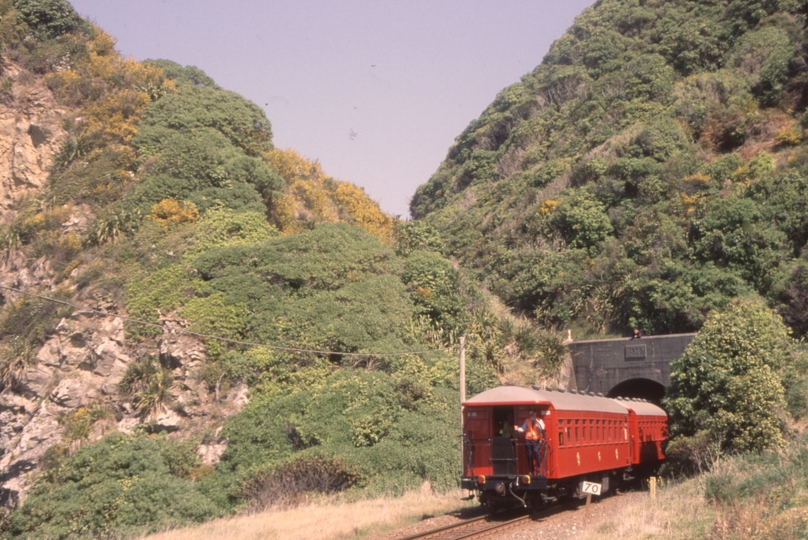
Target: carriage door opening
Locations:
point(503, 454)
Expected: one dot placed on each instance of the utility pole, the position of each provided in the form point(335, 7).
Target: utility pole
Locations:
point(462, 395)
point(462, 376)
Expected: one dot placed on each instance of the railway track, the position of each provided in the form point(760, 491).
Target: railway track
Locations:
point(484, 526)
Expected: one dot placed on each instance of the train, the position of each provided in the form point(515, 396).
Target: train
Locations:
point(587, 438)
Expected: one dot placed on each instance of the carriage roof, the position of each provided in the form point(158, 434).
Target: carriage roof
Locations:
point(561, 401)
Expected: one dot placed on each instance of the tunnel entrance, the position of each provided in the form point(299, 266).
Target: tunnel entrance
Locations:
point(639, 388)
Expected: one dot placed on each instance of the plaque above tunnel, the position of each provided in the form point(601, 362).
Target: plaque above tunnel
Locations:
point(635, 352)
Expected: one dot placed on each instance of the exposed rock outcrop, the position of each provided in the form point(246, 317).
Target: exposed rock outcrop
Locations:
point(80, 365)
point(30, 135)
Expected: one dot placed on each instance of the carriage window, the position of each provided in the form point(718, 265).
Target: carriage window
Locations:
point(560, 438)
point(576, 434)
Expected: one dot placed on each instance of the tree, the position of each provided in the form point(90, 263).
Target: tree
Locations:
point(433, 284)
point(730, 380)
point(52, 18)
point(581, 220)
point(243, 123)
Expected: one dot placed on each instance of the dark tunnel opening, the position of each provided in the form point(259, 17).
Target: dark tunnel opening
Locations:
point(639, 388)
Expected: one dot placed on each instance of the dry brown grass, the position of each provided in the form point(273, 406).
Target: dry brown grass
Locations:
point(326, 520)
point(679, 512)
point(682, 512)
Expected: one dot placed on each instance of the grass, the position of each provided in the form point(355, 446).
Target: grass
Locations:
point(744, 497)
point(679, 512)
point(326, 520)
point(752, 496)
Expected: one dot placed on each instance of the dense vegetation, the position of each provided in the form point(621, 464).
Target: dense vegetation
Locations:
point(732, 387)
point(652, 173)
point(195, 215)
point(649, 170)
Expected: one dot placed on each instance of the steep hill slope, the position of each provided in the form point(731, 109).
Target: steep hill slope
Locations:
point(181, 303)
point(651, 168)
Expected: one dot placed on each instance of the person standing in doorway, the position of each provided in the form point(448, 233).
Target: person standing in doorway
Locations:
point(533, 428)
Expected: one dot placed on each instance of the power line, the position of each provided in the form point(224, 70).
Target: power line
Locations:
point(209, 336)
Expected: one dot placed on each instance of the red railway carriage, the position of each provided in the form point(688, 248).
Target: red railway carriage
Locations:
point(648, 425)
point(586, 438)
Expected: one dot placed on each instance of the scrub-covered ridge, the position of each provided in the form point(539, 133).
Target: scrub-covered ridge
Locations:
point(652, 168)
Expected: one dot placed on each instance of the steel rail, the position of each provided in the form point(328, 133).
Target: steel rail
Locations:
point(480, 527)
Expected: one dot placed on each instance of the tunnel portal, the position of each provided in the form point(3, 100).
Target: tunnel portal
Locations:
point(626, 367)
point(639, 388)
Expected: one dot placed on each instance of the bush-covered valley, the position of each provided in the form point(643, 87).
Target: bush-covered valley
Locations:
point(195, 323)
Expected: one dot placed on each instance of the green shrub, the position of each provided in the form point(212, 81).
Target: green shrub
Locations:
point(202, 166)
point(161, 291)
point(120, 486)
point(51, 18)
point(413, 235)
point(733, 234)
point(581, 221)
point(693, 46)
point(765, 54)
point(146, 384)
point(212, 315)
point(78, 424)
point(333, 287)
point(692, 454)
point(220, 227)
point(195, 108)
point(326, 258)
point(393, 447)
point(433, 285)
point(188, 74)
point(729, 381)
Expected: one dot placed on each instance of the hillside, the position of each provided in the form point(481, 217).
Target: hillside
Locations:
point(653, 167)
point(195, 323)
point(182, 304)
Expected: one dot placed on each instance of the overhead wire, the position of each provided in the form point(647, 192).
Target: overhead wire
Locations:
point(183, 331)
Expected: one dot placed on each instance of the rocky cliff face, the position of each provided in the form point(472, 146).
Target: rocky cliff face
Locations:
point(30, 135)
point(79, 363)
point(79, 366)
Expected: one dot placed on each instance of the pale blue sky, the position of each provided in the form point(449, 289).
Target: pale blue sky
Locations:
point(375, 90)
